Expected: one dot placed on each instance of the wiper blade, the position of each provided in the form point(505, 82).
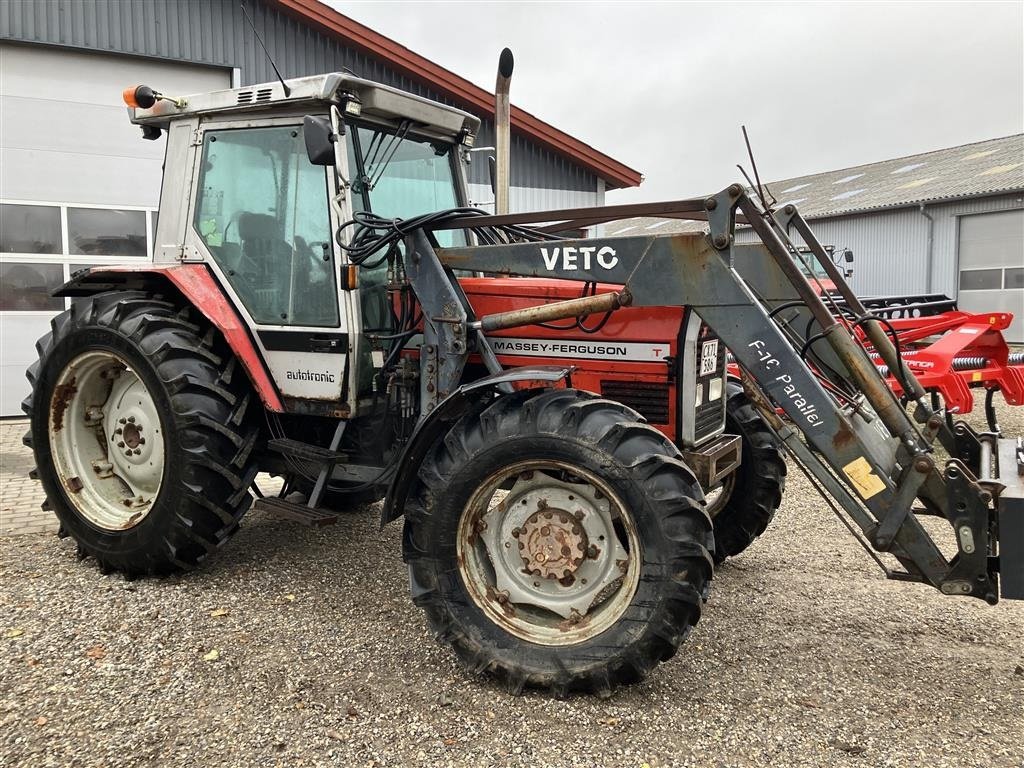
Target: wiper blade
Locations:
point(382, 151)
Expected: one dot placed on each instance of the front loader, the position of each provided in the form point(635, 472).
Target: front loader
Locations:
point(553, 418)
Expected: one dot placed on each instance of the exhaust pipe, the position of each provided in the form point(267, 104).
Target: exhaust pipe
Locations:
point(502, 130)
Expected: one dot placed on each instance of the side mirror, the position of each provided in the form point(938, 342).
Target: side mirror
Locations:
point(320, 138)
point(848, 256)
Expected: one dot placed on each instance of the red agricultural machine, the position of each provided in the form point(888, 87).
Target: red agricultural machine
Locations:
point(551, 418)
point(951, 352)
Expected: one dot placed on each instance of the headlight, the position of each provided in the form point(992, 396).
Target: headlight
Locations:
point(715, 387)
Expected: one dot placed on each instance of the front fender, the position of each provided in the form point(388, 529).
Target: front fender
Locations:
point(436, 424)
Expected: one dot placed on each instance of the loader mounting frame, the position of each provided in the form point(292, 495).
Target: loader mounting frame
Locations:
point(845, 426)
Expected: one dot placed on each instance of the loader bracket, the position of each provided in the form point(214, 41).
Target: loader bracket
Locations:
point(969, 515)
point(968, 446)
point(435, 424)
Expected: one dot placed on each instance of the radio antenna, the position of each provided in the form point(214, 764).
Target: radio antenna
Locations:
point(284, 85)
point(753, 164)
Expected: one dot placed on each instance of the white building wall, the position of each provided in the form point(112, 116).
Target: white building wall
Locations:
point(891, 247)
point(66, 144)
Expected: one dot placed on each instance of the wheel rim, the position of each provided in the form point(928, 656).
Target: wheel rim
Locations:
point(106, 440)
point(554, 559)
point(716, 498)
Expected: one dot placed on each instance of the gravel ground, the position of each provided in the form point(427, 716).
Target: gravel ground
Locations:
point(301, 647)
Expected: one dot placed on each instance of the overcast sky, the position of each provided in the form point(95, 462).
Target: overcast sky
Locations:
point(664, 87)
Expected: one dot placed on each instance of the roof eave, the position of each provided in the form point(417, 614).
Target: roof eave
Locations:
point(617, 175)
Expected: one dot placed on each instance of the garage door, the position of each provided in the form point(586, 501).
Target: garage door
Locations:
point(78, 184)
point(991, 256)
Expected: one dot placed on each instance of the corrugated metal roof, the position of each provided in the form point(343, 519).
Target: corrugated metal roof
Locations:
point(651, 226)
point(305, 37)
point(991, 167)
point(970, 170)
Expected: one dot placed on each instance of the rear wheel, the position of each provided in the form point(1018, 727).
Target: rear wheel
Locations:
point(557, 542)
point(746, 501)
point(141, 431)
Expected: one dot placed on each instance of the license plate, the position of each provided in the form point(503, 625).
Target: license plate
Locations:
point(708, 357)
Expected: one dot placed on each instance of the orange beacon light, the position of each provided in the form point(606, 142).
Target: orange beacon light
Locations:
point(140, 96)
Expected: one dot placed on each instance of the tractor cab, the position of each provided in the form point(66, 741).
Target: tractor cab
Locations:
point(271, 172)
point(816, 273)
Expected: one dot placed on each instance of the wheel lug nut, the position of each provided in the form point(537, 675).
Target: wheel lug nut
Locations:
point(142, 441)
point(128, 452)
point(118, 431)
point(120, 444)
point(138, 451)
point(131, 419)
point(122, 421)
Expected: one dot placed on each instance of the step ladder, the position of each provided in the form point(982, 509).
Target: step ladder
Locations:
point(308, 514)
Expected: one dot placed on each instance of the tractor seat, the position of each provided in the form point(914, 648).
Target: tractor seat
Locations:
point(260, 235)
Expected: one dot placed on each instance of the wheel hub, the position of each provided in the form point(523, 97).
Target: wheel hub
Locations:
point(133, 436)
point(545, 558)
point(552, 543)
point(106, 440)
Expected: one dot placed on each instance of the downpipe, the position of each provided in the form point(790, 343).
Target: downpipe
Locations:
point(930, 250)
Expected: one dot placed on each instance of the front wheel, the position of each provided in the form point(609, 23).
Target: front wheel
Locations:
point(557, 542)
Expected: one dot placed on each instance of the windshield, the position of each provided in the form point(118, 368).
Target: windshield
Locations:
point(395, 176)
point(400, 177)
point(810, 266)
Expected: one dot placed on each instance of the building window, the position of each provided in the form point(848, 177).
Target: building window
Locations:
point(29, 228)
point(106, 232)
point(1014, 277)
point(26, 286)
point(981, 279)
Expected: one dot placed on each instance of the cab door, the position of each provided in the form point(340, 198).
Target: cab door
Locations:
point(261, 217)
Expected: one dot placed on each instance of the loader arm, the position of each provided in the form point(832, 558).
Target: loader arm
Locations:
point(845, 426)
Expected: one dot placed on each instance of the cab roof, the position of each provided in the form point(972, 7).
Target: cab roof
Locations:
point(314, 93)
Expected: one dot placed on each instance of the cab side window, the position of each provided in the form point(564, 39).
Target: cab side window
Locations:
point(262, 211)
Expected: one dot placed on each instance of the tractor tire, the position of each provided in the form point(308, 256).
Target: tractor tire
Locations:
point(748, 499)
point(116, 369)
point(595, 562)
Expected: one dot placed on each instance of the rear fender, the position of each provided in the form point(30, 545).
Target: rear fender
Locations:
point(437, 423)
point(198, 287)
